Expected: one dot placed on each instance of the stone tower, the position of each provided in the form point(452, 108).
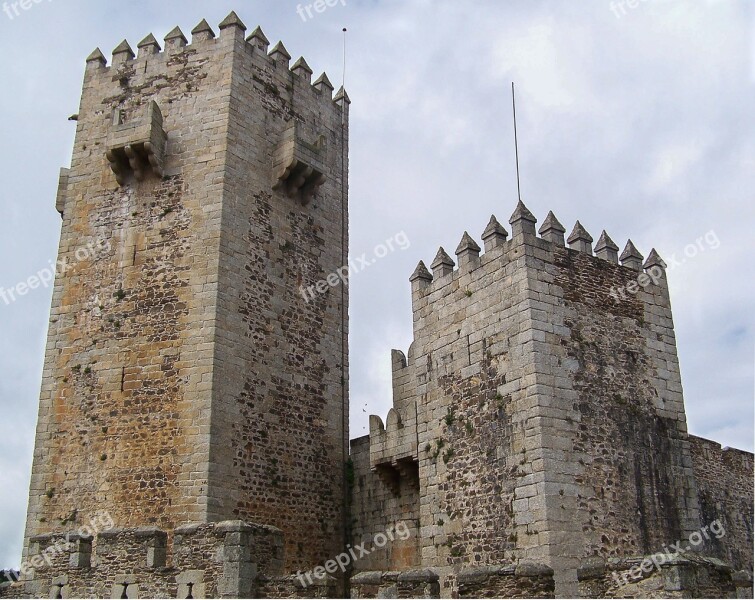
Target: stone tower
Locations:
point(187, 379)
point(538, 419)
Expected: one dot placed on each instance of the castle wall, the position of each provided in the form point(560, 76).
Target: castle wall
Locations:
point(280, 402)
point(374, 507)
point(543, 390)
point(494, 581)
point(188, 376)
point(230, 559)
point(619, 480)
point(124, 417)
point(662, 576)
point(725, 486)
point(471, 374)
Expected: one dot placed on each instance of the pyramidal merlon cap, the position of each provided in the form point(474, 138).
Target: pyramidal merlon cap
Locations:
point(97, 56)
point(467, 243)
point(630, 252)
point(551, 223)
point(149, 41)
point(494, 228)
point(232, 20)
point(421, 273)
point(579, 233)
point(342, 95)
point(279, 48)
point(522, 213)
point(442, 259)
point(176, 34)
point(323, 81)
point(123, 48)
point(605, 243)
point(302, 65)
point(654, 260)
point(203, 27)
point(258, 35)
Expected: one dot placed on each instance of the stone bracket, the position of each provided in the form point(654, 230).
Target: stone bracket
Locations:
point(138, 146)
point(298, 166)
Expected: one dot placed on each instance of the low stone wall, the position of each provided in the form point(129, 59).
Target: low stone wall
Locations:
point(292, 586)
point(498, 581)
point(510, 581)
point(725, 492)
point(662, 576)
point(420, 583)
point(228, 559)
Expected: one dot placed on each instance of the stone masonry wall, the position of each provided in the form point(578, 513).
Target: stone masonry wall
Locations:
point(374, 507)
point(662, 576)
point(547, 406)
point(125, 403)
point(617, 431)
point(187, 378)
point(279, 441)
point(725, 485)
point(227, 559)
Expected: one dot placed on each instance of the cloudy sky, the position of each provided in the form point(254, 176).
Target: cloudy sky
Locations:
point(637, 120)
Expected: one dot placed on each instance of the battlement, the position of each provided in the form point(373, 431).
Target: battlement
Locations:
point(204, 560)
point(446, 277)
point(230, 42)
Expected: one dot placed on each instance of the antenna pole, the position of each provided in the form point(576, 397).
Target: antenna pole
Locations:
point(343, 78)
point(516, 143)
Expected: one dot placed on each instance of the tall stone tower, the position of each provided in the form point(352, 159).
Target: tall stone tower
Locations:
point(187, 379)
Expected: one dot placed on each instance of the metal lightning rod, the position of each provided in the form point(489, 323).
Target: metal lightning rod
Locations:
point(516, 143)
point(343, 77)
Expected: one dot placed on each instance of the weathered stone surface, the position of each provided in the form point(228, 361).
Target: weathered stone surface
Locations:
point(548, 414)
point(187, 377)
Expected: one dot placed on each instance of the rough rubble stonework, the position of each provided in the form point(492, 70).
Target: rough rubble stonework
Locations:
point(193, 425)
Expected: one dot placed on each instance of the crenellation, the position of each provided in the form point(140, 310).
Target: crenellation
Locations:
point(442, 264)
point(148, 46)
point(259, 40)
point(96, 58)
point(202, 33)
point(607, 249)
point(631, 257)
point(494, 235)
point(280, 55)
point(552, 230)
point(301, 69)
point(322, 84)
point(654, 260)
point(175, 41)
point(232, 21)
point(580, 240)
point(522, 221)
point(468, 253)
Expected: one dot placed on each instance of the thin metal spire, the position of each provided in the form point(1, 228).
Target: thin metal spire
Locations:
point(516, 143)
point(343, 79)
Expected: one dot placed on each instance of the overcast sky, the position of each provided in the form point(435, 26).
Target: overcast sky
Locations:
point(637, 120)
